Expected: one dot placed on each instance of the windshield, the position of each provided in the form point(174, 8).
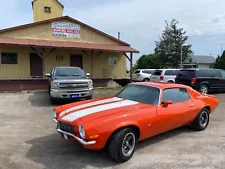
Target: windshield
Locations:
point(70, 71)
point(140, 93)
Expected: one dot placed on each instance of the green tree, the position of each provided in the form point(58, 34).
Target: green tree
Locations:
point(220, 62)
point(168, 48)
point(147, 62)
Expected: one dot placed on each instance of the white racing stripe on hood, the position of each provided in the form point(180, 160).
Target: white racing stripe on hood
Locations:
point(92, 110)
point(89, 105)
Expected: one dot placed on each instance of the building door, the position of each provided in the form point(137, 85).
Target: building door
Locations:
point(76, 61)
point(36, 65)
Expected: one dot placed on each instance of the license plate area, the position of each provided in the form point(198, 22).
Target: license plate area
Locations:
point(74, 96)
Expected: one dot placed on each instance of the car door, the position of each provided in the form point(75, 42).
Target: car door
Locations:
point(176, 114)
point(216, 80)
point(223, 78)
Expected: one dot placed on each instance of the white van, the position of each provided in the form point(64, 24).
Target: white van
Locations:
point(140, 75)
point(164, 75)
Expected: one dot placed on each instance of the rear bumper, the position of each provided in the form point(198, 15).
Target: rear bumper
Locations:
point(66, 94)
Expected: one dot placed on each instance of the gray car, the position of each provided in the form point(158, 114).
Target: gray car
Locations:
point(69, 83)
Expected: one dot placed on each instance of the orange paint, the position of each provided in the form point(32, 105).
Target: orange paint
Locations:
point(150, 120)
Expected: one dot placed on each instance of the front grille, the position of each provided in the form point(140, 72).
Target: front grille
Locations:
point(66, 127)
point(73, 85)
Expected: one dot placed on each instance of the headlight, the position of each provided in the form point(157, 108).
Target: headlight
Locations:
point(54, 85)
point(90, 84)
point(82, 132)
point(54, 114)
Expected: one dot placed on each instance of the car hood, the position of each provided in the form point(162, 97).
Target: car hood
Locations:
point(100, 108)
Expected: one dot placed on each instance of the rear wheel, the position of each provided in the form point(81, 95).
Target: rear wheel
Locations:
point(146, 80)
point(170, 81)
point(204, 89)
point(202, 120)
point(122, 145)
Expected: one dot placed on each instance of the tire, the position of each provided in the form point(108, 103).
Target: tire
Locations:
point(202, 120)
point(117, 146)
point(52, 100)
point(89, 98)
point(170, 81)
point(204, 89)
point(146, 80)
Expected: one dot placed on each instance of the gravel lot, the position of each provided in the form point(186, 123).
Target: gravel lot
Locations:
point(28, 140)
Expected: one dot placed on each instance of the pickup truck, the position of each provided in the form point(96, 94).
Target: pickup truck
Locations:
point(69, 83)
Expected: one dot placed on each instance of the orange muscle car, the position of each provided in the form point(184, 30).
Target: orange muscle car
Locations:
point(137, 112)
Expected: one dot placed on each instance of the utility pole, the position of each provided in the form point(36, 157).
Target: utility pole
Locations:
point(181, 57)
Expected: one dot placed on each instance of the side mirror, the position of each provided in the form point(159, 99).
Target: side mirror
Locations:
point(88, 74)
point(166, 103)
point(48, 75)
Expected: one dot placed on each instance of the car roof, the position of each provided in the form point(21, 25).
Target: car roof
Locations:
point(162, 85)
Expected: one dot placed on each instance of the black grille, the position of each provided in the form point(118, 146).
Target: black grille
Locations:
point(66, 127)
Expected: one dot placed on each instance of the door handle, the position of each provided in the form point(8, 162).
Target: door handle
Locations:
point(191, 105)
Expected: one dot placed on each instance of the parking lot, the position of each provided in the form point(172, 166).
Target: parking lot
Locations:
point(28, 140)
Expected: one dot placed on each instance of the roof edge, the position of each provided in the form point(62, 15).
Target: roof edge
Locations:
point(64, 17)
point(56, 1)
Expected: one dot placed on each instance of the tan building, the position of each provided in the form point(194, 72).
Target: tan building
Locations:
point(31, 50)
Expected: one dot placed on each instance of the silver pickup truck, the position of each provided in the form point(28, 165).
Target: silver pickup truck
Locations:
point(69, 83)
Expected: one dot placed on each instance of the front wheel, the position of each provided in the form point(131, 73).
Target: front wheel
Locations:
point(122, 145)
point(202, 120)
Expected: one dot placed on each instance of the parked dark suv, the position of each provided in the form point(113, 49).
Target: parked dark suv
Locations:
point(203, 80)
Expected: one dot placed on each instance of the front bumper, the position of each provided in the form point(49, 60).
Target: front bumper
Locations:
point(66, 94)
point(83, 142)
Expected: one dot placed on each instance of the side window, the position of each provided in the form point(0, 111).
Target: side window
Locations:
point(137, 71)
point(215, 73)
point(223, 73)
point(147, 71)
point(169, 72)
point(202, 73)
point(157, 72)
point(176, 95)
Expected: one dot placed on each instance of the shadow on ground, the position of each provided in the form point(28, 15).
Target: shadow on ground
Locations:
point(42, 99)
point(54, 152)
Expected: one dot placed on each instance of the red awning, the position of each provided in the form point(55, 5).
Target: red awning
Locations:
point(66, 44)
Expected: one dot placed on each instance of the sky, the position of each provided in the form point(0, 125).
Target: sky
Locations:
point(140, 22)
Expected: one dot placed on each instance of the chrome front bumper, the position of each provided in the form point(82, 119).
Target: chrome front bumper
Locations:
point(77, 138)
point(65, 94)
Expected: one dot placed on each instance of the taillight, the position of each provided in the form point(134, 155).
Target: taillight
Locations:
point(161, 77)
point(193, 80)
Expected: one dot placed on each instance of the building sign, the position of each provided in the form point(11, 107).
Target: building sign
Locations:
point(59, 58)
point(66, 29)
point(112, 61)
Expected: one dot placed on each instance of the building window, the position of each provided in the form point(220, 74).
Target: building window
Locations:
point(47, 9)
point(9, 58)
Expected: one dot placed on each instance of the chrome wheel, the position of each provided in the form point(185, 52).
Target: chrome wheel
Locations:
point(204, 89)
point(204, 117)
point(128, 144)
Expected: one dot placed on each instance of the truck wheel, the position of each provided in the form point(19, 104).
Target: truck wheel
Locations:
point(89, 98)
point(122, 145)
point(53, 101)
